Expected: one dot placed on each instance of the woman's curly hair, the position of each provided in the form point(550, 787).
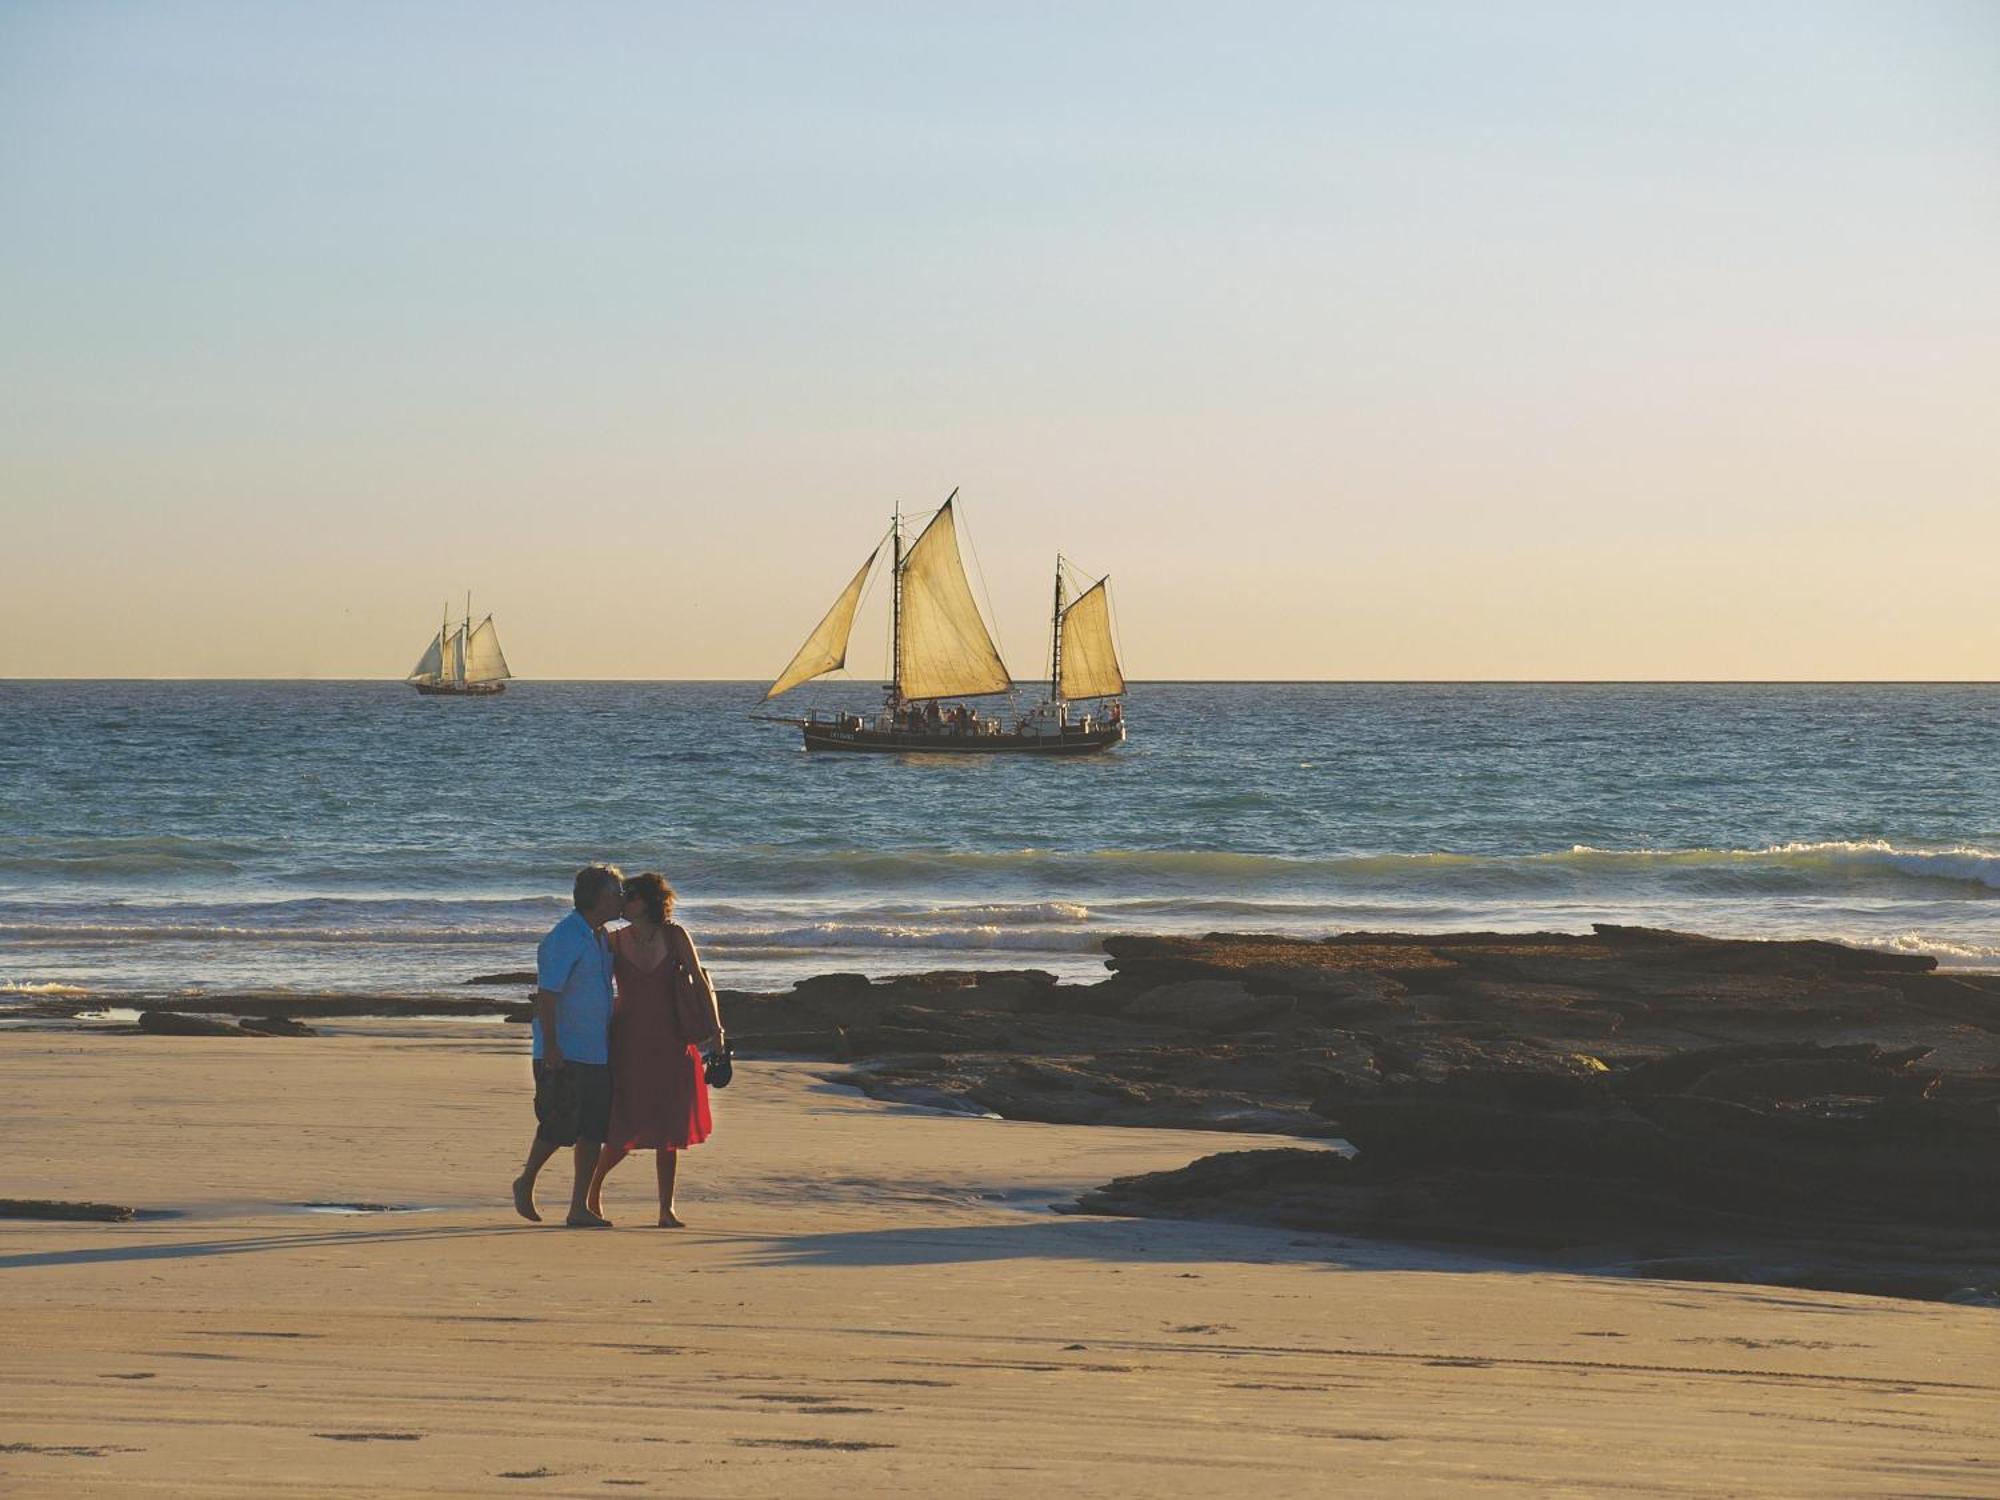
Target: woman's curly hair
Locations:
point(651, 888)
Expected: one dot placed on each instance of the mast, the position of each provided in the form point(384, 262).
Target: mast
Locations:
point(896, 610)
point(1055, 648)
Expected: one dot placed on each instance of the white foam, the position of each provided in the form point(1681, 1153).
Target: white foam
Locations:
point(820, 935)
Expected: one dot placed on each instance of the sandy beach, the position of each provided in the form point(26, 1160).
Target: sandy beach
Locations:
point(1308, 692)
point(871, 1296)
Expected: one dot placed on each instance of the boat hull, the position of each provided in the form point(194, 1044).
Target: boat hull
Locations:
point(455, 690)
point(867, 740)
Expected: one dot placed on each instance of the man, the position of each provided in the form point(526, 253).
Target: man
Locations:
point(572, 1052)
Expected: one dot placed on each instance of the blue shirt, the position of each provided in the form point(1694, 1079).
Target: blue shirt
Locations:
point(573, 963)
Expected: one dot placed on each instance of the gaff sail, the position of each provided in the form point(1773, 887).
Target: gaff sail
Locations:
point(944, 649)
point(452, 668)
point(825, 649)
point(484, 661)
point(1089, 657)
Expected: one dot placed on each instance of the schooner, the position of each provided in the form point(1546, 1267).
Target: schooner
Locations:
point(463, 660)
point(941, 649)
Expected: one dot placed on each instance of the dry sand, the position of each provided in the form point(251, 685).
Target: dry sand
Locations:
point(870, 1299)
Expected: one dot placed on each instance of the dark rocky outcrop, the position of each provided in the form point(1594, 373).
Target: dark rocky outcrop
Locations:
point(49, 1208)
point(174, 1023)
point(276, 1026)
point(1799, 1112)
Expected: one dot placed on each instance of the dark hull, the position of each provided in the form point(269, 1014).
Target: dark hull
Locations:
point(470, 690)
point(887, 742)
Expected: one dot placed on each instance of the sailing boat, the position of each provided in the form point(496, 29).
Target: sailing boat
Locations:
point(940, 648)
point(462, 660)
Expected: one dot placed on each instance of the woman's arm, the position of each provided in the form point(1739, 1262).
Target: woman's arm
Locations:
point(706, 986)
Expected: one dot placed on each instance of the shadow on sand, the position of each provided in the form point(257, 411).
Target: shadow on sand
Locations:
point(250, 1244)
point(1109, 1241)
point(1126, 1241)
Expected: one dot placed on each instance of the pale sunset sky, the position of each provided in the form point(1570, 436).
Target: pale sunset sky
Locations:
point(1410, 340)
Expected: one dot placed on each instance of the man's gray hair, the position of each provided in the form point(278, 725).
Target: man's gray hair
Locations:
point(592, 881)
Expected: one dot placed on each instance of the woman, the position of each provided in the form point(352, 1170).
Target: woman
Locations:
point(659, 1098)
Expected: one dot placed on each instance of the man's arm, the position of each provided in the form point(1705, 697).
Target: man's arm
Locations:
point(556, 958)
point(545, 1012)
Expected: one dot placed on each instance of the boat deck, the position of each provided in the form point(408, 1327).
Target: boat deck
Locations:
point(866, 738)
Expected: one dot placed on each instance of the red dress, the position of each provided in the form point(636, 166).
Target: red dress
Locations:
point(659, 1098)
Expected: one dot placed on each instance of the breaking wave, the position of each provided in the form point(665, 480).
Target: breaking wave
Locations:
point(841, 935)
point(1841, 859)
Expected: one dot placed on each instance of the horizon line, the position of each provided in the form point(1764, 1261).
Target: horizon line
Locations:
point(1135, 682)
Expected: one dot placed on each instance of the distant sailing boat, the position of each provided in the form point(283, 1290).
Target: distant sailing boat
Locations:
point(463, 660)
point(941, 648)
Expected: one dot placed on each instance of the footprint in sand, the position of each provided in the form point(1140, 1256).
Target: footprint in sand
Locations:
point(370, 1437)
point(811, 1406)
point(68, 1450)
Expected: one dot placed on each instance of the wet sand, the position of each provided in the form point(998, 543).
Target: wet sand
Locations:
point(871, 1298)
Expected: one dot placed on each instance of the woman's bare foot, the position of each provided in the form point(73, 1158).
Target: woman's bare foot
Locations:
point(587, 1221)
point(668, 1220)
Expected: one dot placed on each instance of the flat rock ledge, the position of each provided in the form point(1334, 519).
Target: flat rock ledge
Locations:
point(57, 1209)
point(1793, 1112)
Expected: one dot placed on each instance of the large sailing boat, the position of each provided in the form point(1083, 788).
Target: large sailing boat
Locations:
point(940, 648)
point(462, 660)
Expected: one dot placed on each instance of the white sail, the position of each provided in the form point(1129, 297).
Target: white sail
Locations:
point(431, 663)
point(945, 651)
point(484, 661)
point(452, 667)
point(1089, 659)
point(825, 649)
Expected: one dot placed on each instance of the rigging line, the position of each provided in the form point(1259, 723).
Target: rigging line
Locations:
point(998, 644)
point(815, 688)
point(1117, 640)
point(896, 560)
point(845, 673)
point(867, 593)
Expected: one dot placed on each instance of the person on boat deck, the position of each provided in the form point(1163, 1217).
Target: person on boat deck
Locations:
point(665, 1010)
point(572, 1040)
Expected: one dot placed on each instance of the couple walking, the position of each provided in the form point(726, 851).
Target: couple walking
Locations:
point(620, 1019)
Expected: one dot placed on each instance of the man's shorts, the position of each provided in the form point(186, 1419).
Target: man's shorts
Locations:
point(573, 1102)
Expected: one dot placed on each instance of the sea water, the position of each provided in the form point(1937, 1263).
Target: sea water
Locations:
point(159, 837)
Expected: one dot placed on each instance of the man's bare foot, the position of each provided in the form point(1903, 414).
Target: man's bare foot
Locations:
point(668, 1220)
point(524, 1200)
point(587, 1220)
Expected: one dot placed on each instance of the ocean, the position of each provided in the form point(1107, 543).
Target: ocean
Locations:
point(169, 837)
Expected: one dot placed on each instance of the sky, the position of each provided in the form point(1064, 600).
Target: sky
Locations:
point(1412, 341)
